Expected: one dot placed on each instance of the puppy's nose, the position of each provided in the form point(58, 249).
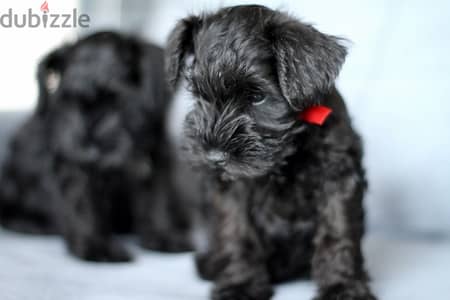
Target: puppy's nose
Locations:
point(217, 157)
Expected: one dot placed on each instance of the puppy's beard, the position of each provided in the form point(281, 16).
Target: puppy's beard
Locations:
point(248, 153)
point(241, 166)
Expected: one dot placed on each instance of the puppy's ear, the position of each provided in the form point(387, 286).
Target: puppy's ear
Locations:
point(180, 44)
point(307, 61)
point(49, 76)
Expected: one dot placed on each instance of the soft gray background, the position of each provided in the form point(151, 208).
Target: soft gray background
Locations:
point(396, 82)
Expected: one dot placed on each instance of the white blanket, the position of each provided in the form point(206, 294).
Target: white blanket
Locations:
point(38, 268)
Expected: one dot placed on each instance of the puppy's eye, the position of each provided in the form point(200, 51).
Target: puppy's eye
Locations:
point(257, 100)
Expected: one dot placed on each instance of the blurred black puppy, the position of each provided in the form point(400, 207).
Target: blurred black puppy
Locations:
point(286, 196)
point(104, 151)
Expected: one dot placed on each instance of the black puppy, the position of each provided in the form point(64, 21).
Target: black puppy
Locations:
point(104, 150)
point(285, 196)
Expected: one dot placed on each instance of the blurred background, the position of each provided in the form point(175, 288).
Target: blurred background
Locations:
point(396, 82)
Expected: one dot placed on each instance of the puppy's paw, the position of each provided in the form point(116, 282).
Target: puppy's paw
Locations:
point(358, 291)
point(242, 292)
point(100, 251)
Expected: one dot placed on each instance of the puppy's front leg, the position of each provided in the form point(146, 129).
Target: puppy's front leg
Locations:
point(243, 274)
point(338, 262)
point(84, 219)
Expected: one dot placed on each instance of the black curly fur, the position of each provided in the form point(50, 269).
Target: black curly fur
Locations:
point(284, 197)
point(94, 159)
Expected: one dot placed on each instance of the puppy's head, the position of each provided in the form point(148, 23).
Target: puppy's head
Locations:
point(251, 70)
point(102, 93)
point(93, 70)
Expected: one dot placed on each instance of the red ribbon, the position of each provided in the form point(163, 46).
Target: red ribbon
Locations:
point(315, 114)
